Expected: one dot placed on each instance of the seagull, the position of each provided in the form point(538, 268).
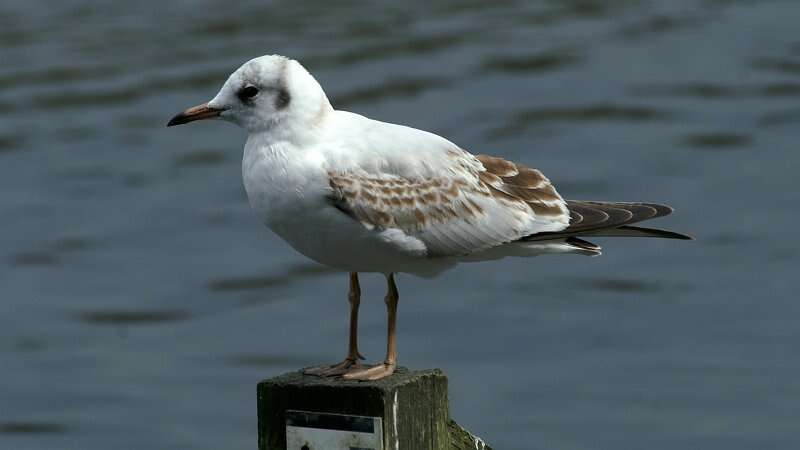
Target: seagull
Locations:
point(361, 195)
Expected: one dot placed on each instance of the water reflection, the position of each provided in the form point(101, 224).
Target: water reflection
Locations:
point(710, 90)
point(35, 259)
point(540, 62)
point(288, 362)
point(718, 140)
point(522, 120)
point(782, 117)
point(31, 428)
point(623, 286)
point(401, 88)
point(294, 274)
point(200, 158)
point(785, 66)
point(139, 317)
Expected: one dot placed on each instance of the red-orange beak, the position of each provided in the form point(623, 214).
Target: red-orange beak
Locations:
point(198, 112)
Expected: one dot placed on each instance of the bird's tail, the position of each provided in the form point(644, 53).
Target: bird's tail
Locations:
point(631, 231)
point(607, 219)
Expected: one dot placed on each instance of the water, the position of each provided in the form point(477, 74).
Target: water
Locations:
point(142, 300)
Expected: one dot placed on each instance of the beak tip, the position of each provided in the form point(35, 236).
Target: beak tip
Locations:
point(198, 112)
point(179, 119)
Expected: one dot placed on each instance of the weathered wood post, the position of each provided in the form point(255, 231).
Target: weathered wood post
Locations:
point(407, 411)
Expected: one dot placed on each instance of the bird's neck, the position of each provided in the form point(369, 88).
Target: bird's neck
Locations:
point(302, 129)
point(278, 177)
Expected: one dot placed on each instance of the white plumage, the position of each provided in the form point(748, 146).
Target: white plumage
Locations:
point(287, 176)
point(367, 196)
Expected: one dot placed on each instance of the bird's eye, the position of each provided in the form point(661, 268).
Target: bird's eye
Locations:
point(247, 93)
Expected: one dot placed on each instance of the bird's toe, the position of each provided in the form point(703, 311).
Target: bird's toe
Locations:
point(376, 372)
point(334, 370)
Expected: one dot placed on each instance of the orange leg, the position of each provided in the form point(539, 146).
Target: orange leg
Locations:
point(351, 362)
point(390, 363)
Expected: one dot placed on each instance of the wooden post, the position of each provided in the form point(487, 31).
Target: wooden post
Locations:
point(410, 407)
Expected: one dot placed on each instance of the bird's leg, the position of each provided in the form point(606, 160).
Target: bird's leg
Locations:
point(390, 363)
point(354, 297)
point(351, 362)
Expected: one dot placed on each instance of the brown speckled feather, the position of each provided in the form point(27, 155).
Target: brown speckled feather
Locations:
point(483, 202)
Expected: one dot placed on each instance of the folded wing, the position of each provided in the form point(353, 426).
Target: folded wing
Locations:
point(477, 203)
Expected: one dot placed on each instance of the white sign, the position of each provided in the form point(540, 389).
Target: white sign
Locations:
point(322, 431)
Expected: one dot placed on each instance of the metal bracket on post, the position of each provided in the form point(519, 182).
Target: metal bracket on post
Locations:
point(308, 431)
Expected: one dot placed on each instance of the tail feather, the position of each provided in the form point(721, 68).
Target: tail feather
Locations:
point(589, 218)
point(631, 231)
point(585, 247)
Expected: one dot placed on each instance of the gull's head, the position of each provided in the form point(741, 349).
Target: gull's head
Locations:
point(271, 94)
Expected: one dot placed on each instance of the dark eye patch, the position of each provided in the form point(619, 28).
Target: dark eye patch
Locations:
point(282, 99)
point(247, 93)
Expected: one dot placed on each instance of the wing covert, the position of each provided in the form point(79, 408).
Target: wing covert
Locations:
point(478, 203)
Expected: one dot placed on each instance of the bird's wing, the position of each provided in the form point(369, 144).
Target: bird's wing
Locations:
point(471, 204)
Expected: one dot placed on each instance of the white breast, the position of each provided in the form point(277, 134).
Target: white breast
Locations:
point(280, 180)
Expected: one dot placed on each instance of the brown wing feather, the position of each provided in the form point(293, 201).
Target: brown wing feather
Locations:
point(481, 202)
point(514, 181)
point(375, 200)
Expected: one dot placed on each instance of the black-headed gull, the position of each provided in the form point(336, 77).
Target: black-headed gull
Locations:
point(361, 195)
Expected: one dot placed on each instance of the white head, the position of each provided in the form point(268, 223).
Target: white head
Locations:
point(270, 94)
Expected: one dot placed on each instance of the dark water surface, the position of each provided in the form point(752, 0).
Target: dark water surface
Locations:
point(141, 300)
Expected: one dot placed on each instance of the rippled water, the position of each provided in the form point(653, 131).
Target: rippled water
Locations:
point(141, 300)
